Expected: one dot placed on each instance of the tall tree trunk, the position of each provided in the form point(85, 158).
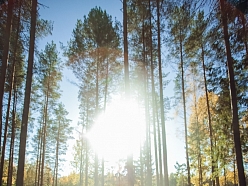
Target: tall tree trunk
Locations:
point(159, 144)
point(7, 122)
point(165, 164)
point(81, 153)
point(198, 137)
point(184, 111)
point(57, 156)
point(235, 118)
point(10, 91)
point(12, 141)
point(24, 126)
point(130, 168)
point(37, 157)
point(105, 103)
point(5, 58)
point(125, 42)
point(153, 97)
point(43, 150)
point(225, 176)
point(145, 79)
point(209, 115)
point(217, 179)
point(86, 145)
point(234, 167)
point(40, 152)
point(86, 163)
point(142, 78)
point(45, 129)
point(96, 178)
point(81, 157)
point(148, 164)
point(54, 173)
point(148, 143)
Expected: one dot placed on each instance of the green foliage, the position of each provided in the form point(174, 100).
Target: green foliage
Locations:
point(99, 29)
point(180, 174)
point(51, 68)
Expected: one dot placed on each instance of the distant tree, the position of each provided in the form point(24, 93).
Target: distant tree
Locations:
point(178, 24)
point(50, 77)
point(62, 131)
point(161, 98)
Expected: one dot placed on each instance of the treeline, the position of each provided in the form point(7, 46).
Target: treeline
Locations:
point(34, 122)
point(205, 41)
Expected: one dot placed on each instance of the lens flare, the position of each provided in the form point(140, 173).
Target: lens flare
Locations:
point(119, 131)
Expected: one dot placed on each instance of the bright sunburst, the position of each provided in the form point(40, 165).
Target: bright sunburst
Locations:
point(119, 131)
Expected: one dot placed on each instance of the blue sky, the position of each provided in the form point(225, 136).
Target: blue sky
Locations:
point(64, 14)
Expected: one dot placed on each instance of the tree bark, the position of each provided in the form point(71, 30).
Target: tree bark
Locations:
point(145, 79)
point(45, 126)
point(96, 178)
point(153, 99)
point(184, 111)
point(12, 77)
point(165, 164)
point(105, 103)
point(86, 145)
point(57, 156)
point(40, 151)
point(5, 58)
point(161, 180)
point(130, 169)
point(235, 118)
point(198, 138)
point(209, 116)
point(12, 141)
point(7, 122)
point(81, 155)
point(24, 126)
point(37, 158)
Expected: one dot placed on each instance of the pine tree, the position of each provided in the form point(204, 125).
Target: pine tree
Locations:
point(5, 56)
point(165, 166)
point(178, 29)
point(51, 68)
point(93, 51)
point(235, 120)
point(62, 126)
point(24, 128)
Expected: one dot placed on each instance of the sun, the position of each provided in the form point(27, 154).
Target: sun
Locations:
point(118, 131)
